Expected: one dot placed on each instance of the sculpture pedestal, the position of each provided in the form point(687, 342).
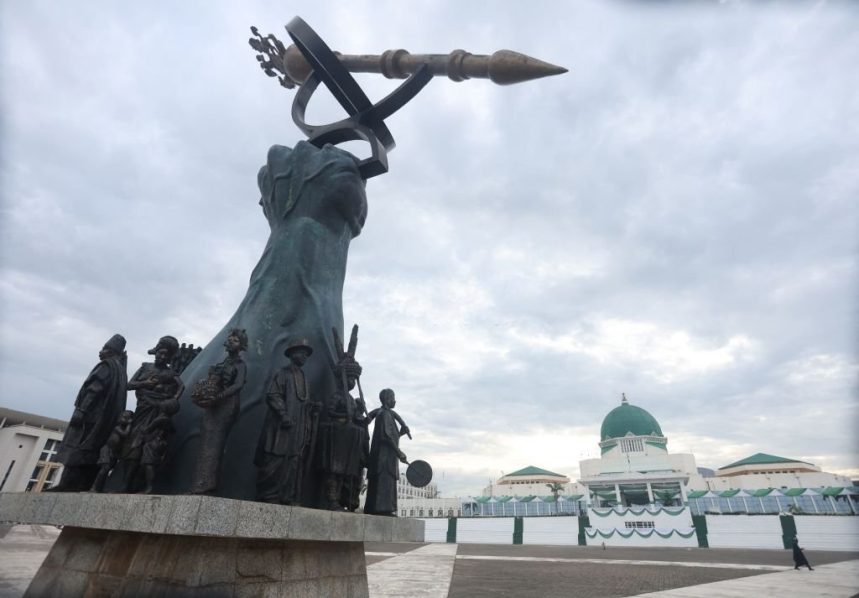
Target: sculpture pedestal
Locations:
point(132, 545)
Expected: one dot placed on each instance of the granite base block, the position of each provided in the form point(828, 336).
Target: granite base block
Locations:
point(133, 545)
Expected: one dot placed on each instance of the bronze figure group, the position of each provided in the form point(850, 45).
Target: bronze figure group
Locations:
point(303, 437)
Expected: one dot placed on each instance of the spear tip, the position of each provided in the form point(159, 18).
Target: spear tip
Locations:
point(507, 67)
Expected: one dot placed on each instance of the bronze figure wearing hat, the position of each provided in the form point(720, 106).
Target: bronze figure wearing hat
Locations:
point(285, 443)
point(158, 388)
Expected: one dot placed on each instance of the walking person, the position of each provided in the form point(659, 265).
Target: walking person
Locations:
point(799, 559)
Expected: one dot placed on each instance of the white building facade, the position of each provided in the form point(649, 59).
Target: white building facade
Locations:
point(28, 451)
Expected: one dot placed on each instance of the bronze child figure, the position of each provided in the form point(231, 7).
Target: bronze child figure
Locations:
point(109, 454)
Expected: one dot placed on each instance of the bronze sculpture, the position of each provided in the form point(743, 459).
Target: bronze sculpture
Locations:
point(383, 469)
point(109, 453)
point(343, 438)
point(158, 388)
point(218, 395)
point(99, 402)
point(284, 448)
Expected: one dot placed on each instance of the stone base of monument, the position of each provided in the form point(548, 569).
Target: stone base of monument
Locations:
point(133, 545)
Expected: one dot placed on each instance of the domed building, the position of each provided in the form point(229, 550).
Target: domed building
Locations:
point(635, 467)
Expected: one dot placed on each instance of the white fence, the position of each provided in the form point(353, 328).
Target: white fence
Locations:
point(744, 531)
point(484, 531)
point(435, 530)
point(550, 530)
point(827, 533)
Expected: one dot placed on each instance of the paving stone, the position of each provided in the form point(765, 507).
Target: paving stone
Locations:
point(183, 516)
point(217, 517)
point(204, 562)
point(309, 524)
point(86, 550)
point(308, 588)
point(378, 528)
point(259, 590)
point(357, 587)
point(148, 554)
point(260, 559)
point(262, 520)
point(60, 550)
point(119, 552)
point(298, 563)
point(105, 585)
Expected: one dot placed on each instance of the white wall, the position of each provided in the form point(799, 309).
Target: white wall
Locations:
point(435, 530)
point(744, 531)
point(476, 530)
point(616, 539)
point(662, 521)
point(827, 533)
point(25, 457)
point(550, 530)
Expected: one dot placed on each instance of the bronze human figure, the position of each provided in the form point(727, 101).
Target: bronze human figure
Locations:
point(99, 402)
point(383, 469)
point(343, 438)
point(109, 453)
point(287, 438)
point(218, 395)
point(158, 388)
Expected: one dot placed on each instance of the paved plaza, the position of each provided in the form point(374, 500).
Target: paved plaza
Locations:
point(476, 570)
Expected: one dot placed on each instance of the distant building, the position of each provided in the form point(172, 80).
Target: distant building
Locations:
point(530, 481)
point(28, 451)
point(635, 467)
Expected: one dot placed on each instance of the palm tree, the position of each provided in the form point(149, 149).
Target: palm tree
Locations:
point(556, 488)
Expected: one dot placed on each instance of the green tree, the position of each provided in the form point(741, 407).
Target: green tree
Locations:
point(555, 488)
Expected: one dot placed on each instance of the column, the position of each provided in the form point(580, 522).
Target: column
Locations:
point(617, 494)
point(649, 493)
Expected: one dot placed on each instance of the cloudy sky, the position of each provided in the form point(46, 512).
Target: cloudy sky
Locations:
point(675, 218)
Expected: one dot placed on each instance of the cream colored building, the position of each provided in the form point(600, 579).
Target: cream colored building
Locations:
point(28, 451)
point(531, 481)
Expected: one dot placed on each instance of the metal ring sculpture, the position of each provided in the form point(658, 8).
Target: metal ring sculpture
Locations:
point(366, 121)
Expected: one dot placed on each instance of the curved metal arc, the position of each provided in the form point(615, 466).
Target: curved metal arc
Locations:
point(337, 79)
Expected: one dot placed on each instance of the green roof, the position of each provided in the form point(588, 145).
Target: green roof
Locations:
point(531, 470)
point(629, 419)
point(762, 459)
point(527, 498)
point(832, 491)
point(760, 492)
point(697, 493)
point(729, 493)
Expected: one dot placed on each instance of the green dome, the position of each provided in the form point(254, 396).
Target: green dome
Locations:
point(626, 419)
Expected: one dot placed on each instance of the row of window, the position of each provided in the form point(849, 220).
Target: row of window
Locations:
point(430, 513)
point(774, 504)
point(638, 524)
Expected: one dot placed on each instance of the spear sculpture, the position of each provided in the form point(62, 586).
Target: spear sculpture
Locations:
point(309, 61)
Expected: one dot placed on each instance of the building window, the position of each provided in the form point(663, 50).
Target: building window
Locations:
point(6, 476)
point(631, 445)
point(638, 524)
